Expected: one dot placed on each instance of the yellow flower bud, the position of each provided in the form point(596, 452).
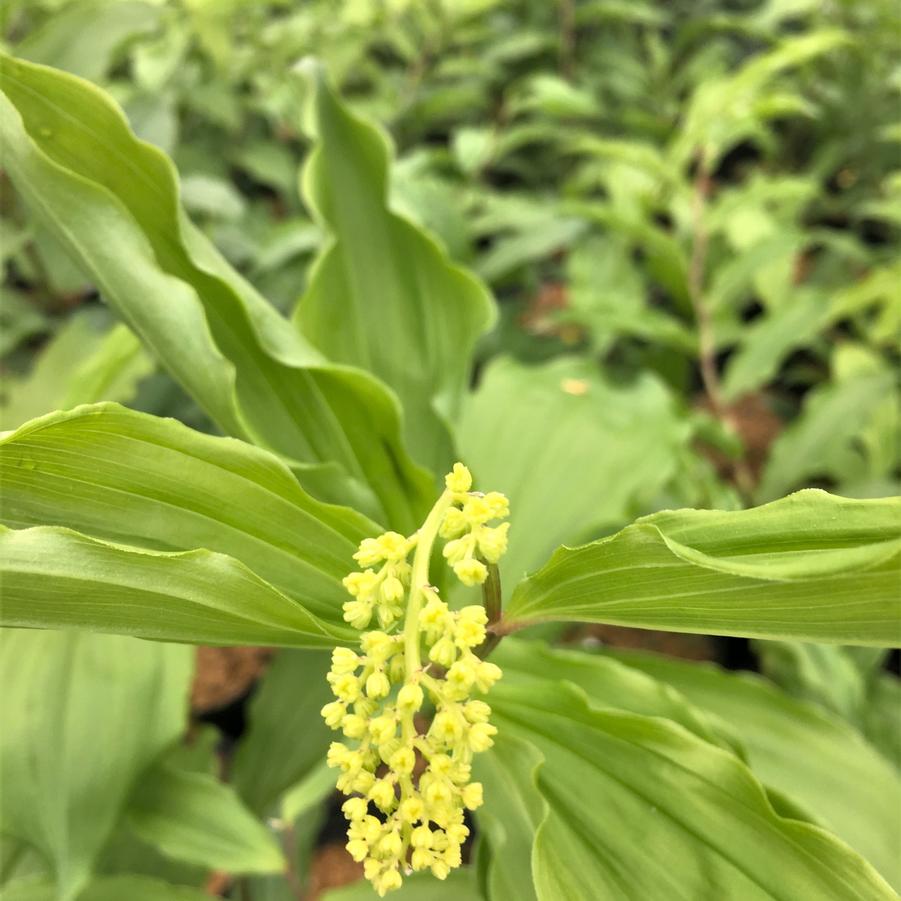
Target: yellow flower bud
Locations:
point(410, 697)
point(471, 572)
point(440, 870)
point(337, 754)
point(493, 542)
point(369, 552)
point(378, 646)
point(355, 808)
point(441, 765)
point(454, 524)
point(362, 782)
point(479, 737)
point(391, 590)
point(468, 634)
point(390, 845)
point(456, 550)
point(472, 795)
point(357, 613)
point(452, 856)
point(412, 809)
point(388, 615)
point(457, 833)
point(344, 660)
point(438, 794)
point(487, 673)
point(360, 584)
point(377, 685)
point(346, 687)
point(498, 505)
point(421, 837)
point(333, 713)
point(382, 794)
point(446, 728)
point(459, 480)
point(443, 652)
point(382, 728)
point(387, 882)
point(421, 859)
point(461, 675)
point(476, 711)
point(393, 546)
point(357, 848)
point(402, 761)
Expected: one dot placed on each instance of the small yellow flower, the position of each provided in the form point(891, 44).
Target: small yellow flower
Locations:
point(459, 480)
point(471, 572)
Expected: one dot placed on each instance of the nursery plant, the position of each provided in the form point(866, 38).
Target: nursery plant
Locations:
point(410, 544)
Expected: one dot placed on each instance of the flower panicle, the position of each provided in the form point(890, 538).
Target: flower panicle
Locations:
point(409, 789)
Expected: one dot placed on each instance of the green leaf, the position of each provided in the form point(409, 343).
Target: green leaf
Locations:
point(811, 566)
point(113, 202)
point(83, 716)
point(834, 413)
point(606, 682)
point(383, 296)
point(600, 455)
point(110, 888)
point(286, 737)
point(814, 758)
point(135, 479)
point(640, 808)
point(55, 578)
point(514, 810)
point(83, 38)
point(195, 818)
point(83, 363)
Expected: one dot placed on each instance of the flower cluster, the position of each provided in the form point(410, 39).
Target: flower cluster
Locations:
point(409, 787)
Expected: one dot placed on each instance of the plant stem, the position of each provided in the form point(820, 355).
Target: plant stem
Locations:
point(419, 578)
point(491, 598)
point(710, 378)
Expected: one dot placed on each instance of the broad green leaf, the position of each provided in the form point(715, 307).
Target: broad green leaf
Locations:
point(810, 566)
point(286, 737)
point(574, 452)
point(113, 201)
point(109, 888)
point(83, 716)
point(513, 810)
point(606, 682)
point(640, 808)
point(766, 342)
point(812, 757)
point(83, 38)
point(834, 414)
point(383, 296)
point(135, 479)
point(83, 363)
point(882, 716)
point(195, 818)
point(54, 578)
point(823, 674)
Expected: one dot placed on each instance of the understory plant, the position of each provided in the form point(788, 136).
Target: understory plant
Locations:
point(348, 434)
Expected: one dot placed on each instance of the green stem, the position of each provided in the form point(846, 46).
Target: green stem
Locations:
point(419, 578)
point(491, 598)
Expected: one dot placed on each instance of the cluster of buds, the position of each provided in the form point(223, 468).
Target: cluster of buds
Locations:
point(382, 590)
point(401, 821)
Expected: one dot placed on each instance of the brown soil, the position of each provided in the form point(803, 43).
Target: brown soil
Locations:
point(223, 675)
point(673, 644)
point(330, 868)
